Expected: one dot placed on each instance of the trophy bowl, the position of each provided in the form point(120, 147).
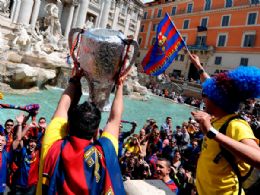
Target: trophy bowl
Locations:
point(104, 55)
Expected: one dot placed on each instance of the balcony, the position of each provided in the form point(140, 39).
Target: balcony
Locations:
point(202, 48)
point(202, 28)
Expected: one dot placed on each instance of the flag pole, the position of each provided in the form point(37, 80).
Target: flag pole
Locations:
point(187, 49)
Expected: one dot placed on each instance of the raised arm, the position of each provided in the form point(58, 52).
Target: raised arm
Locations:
point(69, 98)
point(18, 141)
point(246, 149)
point(116, 112)
point(196, 61)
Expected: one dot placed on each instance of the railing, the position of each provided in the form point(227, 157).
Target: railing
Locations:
point(198, 47)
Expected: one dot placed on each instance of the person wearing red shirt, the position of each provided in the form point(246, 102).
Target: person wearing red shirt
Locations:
point(163, 171)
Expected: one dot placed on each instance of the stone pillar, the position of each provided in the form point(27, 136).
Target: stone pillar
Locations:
point(16, 10)
point(148, 35)
point(128, 17)
point(137, 27)
point(105, 13)
point(69, 21)
point(82, 13)
point(13, 9)
point(25, 12)
point(35, 13)
point(117, 11)
point(75, 16)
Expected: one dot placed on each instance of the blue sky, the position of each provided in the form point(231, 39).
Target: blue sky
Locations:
point(146, 1)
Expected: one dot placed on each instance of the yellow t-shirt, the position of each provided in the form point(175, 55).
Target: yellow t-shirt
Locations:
point(57, 130)
point(134, 149)
point(212, 178)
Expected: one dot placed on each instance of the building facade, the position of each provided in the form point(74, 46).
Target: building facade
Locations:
point(223, 33)
point(121, 15)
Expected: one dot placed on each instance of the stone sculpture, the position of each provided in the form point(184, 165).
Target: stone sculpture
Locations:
point(21, 39)
point(90, 23)
point(52, 33)
point(4, 7)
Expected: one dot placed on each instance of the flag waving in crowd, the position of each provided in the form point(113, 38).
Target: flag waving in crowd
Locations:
point(166, 47)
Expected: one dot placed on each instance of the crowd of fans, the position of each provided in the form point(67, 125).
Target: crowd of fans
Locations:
point(167, 151)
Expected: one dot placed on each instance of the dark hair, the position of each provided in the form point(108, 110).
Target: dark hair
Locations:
point(84, 120)
point(32, 139)
point(168, 164)
point(168, 117)
point(42, 118)
point(9, 120)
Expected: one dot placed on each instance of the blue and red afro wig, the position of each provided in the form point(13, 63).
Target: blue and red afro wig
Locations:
point(228, 89)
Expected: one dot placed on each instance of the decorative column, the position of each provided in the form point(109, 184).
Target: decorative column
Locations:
point(13, 9)
point(139, 18)
point(148, 34)
point(105, 13)
point(25, 12)
point(82, 13)
point(128, 17)
point(35, 13)
point(17, 10)
point(69, 21)
point(117, 11)
point(75, 16)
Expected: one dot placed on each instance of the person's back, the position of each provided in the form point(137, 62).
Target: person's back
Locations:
point(78, 163)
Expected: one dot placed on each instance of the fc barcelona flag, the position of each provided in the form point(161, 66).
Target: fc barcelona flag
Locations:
point(166, 47)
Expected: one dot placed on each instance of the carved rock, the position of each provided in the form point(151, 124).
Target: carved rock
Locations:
point(25, 76)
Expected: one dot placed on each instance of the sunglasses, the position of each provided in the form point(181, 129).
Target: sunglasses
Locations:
point(9, 125)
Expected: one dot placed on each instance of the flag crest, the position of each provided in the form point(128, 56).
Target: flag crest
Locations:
point(165, 48)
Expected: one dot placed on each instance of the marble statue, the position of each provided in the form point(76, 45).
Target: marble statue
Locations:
point(4, 7)
point(22, 40)
point(90, 23)
point(52, 34)
point(37, 41)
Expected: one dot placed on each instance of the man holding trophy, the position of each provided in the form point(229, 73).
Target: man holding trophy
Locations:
point(73, 160)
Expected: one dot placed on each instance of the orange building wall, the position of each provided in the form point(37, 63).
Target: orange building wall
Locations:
point(238, 20)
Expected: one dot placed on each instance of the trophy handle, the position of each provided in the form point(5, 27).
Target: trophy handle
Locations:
point(73, 44)
point(128, 43)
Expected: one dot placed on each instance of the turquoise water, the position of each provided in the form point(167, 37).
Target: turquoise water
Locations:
point(134, 110)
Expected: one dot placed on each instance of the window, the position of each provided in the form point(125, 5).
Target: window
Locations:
point(184, 38)
point(159, 13)
point(189, 8)
point(145, 15)
point(173, 11)
point(251, 18)
point(207, 5)
point(154, 27)
point(186, 24)
point(249, 40)
point(255, 1)
point(243, 61)
point(229, 3)
point(225, 21)
point(153, 40)
point(201, 40)
point(221, 40)
point(139, 41)
point(181, 57)
point(142, 28)
point(218, 60)
point(204, 22)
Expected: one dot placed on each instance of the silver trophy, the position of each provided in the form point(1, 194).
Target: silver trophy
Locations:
point(104, 55)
